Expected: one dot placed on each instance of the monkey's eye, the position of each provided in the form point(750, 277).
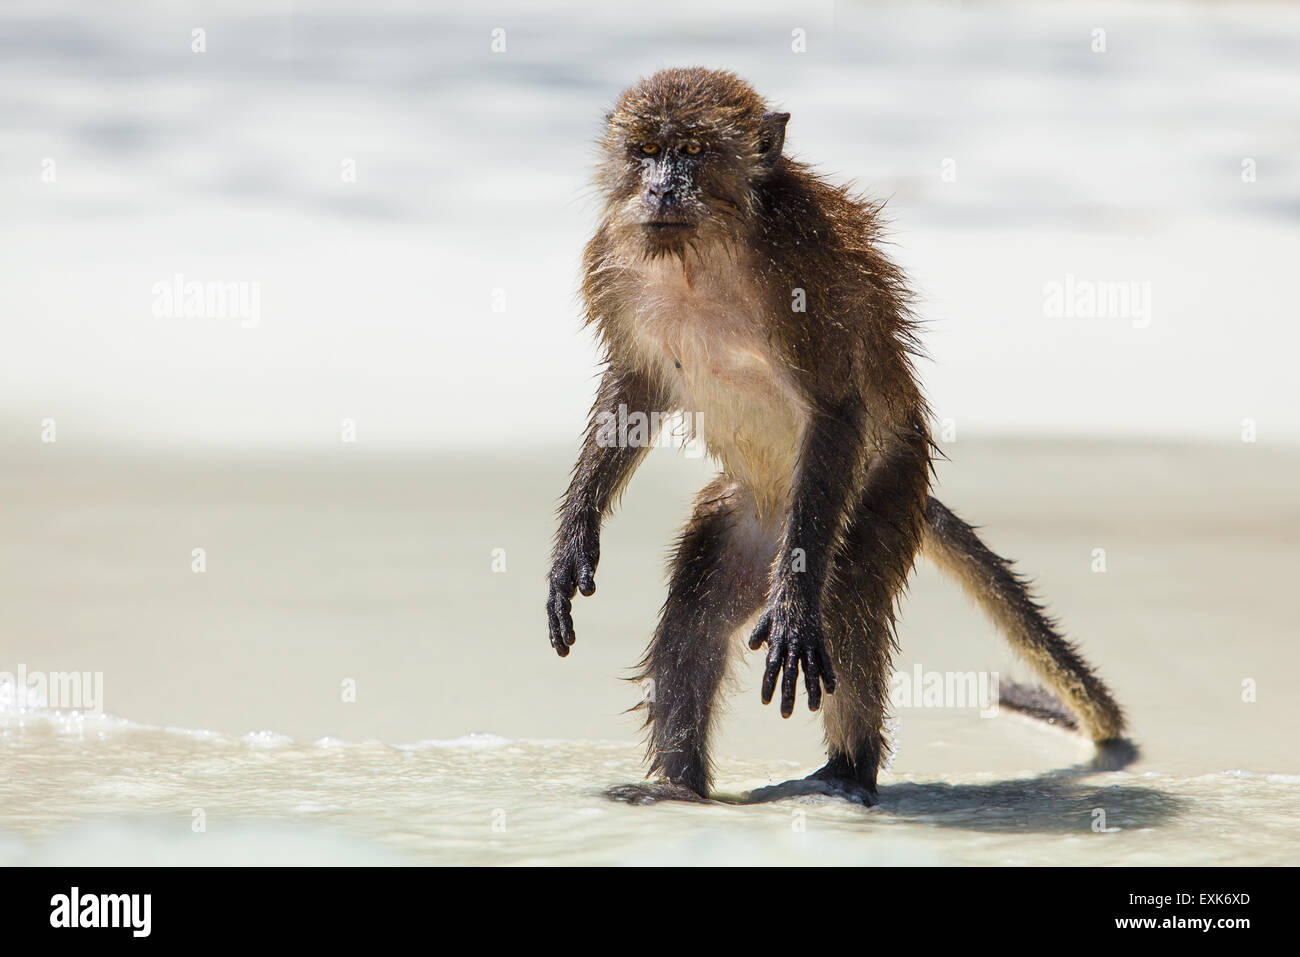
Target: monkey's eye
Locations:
point(692, 147)
point(649, 149)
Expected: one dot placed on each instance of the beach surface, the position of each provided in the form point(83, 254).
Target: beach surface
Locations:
point(224, 699)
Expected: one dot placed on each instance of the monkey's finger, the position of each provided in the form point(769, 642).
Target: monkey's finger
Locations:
point(812, 679)
point(760, 635)
point(553, 626)
point(587, 580)
point(769, 675)
point(569, 636)
point(558, 641)
point(561, 608)
point(790, 681)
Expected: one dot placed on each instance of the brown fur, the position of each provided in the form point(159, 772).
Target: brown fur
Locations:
point(707, 238)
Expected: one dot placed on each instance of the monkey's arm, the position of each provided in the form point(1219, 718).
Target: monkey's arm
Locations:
point(603, 469)
point(826, 487)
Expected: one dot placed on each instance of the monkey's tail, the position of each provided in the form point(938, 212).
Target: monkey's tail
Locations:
point(1005, 597)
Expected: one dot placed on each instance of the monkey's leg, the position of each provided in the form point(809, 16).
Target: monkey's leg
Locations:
point(872, 565)
point(719, 579)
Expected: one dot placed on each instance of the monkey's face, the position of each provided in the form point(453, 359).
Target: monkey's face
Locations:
point(683, 153)
point(668, 203)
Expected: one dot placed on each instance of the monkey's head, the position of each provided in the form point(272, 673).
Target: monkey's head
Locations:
point(683, 154)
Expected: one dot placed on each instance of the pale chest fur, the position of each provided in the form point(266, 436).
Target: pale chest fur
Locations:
point(701, 331)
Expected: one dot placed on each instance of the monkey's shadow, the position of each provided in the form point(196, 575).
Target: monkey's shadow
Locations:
point(1057, 801)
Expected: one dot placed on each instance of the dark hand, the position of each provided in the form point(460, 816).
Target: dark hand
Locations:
point(793, 639)
point(574, 570)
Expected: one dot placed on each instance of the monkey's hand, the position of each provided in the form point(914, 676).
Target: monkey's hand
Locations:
point(794, 637)
point(573, 570)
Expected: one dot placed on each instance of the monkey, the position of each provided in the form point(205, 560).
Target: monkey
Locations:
point(731, 281)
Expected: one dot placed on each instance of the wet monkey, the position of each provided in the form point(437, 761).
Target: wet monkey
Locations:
point(730, 281)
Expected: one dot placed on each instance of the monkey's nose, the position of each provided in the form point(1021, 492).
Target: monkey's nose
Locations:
point(666, 204)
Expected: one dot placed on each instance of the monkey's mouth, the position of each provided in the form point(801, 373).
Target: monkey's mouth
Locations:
point(666, 229)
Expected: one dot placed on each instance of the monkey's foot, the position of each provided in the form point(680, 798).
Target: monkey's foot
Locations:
point(652, 792)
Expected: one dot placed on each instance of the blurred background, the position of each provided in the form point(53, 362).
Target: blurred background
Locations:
point(381, 175)
point(292, 283)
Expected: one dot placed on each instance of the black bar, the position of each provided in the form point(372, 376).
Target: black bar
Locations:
point(1053, 906)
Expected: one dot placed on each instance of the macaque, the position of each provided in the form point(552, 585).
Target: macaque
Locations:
point(731, 282)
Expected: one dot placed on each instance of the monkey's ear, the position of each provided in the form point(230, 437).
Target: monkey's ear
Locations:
point(771, 137)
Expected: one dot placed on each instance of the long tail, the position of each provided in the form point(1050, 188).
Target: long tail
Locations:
point(1005, 597)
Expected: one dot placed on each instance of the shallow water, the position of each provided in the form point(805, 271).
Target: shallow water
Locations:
point(101, 791)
